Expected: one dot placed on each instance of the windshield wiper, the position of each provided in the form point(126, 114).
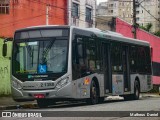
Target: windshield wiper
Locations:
point(45, 52)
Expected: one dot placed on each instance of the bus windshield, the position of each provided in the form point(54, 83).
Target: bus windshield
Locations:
point(40, 56)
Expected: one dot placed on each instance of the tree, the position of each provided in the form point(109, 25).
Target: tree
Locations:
point(157, 33)
point(147, 27)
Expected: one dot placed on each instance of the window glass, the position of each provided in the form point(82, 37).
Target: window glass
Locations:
point(91, 54)
point(133, 59)
point(75, 10)
point(141, 59)
point(88, 14)
point(47, 54)
point(148, 60)
point(83, 56)
point(4, 8)
point(116, 57)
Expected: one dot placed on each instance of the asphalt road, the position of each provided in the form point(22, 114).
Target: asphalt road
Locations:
point(148, 104)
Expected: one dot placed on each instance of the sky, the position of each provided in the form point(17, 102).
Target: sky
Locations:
point(98, 1)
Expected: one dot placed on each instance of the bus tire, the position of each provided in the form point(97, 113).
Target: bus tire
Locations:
point(44, 103)
point(136, 90)
point(135, 95)
point(93, 94)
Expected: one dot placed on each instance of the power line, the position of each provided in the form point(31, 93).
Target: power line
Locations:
point(15, 22)
point(149, 13)
point(81, 13)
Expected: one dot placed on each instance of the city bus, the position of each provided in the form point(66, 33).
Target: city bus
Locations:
point(63, 63)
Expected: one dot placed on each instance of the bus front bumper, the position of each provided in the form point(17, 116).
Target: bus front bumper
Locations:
point(28, 95)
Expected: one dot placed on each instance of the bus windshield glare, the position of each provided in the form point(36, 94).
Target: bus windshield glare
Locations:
point(40, 56)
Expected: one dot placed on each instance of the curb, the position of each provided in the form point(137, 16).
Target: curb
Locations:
point(10, 107)
point(150, 95)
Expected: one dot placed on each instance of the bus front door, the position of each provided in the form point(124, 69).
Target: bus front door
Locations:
point(126, 75)
point(106, 68)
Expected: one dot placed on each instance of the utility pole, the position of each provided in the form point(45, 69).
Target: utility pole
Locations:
point(47, 14)
point(134, 19)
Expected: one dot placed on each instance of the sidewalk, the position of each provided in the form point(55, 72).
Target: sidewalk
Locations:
point(7, 103)
point(150, 95)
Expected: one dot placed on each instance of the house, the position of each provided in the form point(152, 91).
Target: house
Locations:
point(16, 14)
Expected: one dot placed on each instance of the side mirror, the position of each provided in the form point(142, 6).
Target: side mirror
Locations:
point(4, 51)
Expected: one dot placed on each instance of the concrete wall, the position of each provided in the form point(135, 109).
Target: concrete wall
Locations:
point(80, 21)
point(5, 88)
point(26, 13)
point(105, 23)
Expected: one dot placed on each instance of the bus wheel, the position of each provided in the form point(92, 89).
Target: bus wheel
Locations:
point(136, 90)
point(135, 95)
point(44, 103)
point(93, 94)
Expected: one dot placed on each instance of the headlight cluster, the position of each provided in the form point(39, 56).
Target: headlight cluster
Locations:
point(62, 83)
point(16, 85)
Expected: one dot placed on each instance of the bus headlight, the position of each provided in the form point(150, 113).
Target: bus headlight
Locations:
point(16, 85)
point(62, 83)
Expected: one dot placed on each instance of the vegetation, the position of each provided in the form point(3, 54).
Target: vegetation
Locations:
point(157, 33)
point(147, 27)
point(155, 89)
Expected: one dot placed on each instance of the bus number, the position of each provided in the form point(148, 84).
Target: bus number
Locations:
point(47, 84)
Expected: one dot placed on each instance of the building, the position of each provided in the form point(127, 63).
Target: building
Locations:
point(16, 14)
point(148, 11)
point(102, 9)
point(113, 7)
point(125, 9)
point(83, 13)
point(105, 22)
point(109, 8)
point(106, 12)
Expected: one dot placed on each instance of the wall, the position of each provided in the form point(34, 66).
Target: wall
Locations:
point(126, 30)
point(25, 13)
point(105, 23)
point(81, 20)
point(5, 88)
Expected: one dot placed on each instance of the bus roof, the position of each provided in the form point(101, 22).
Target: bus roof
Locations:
point(114, 36)
point(96, 31)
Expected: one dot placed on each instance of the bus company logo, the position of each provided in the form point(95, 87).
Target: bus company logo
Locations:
point(6, 114)
point(30, 76)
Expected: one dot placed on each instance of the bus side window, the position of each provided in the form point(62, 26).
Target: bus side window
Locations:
point(91, 54)
point(116, 57)
point(141, 59)
point(133, 59)
point(148, 59)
